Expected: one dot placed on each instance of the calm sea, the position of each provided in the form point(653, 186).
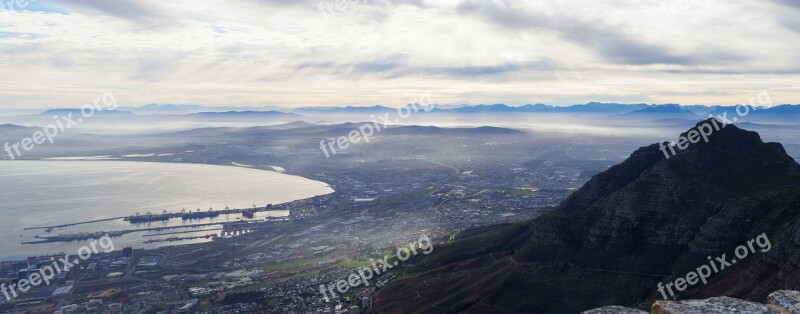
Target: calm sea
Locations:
point(47, 193)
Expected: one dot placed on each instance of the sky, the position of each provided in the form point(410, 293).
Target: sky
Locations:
point(293, 53)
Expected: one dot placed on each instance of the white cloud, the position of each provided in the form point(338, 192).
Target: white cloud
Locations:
point(256, 52)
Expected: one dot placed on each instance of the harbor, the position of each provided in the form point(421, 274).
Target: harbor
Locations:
point(69, 237)
point(236, 227)
point(192, 215)
point(148, 216)
point(229, 227)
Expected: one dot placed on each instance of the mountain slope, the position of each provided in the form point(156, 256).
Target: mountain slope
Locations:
point(672, 111)
point(647, 220)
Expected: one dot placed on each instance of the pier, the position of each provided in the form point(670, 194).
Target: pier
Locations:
point(230, 228)
point(50, 228)
point(152, 217)
point(95, 235)
point(190, 215)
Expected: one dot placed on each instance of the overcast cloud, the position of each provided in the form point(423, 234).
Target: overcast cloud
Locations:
point(291, 53)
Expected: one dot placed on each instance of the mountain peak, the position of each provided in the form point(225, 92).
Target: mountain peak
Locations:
point(644, 221)
point(712, 143)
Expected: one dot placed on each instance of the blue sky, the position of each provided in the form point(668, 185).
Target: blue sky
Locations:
point(365, 52)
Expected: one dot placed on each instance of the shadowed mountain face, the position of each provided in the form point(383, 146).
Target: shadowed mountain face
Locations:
point(647, 220)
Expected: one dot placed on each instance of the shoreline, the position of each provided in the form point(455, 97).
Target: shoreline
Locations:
point(324, 187)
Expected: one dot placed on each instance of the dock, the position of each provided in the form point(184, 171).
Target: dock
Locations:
point(49, 228)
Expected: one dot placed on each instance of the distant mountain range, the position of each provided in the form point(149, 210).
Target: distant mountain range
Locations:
point(589, 108)
point(235, 114)
point(664, 111)
point(432, 130)
point(13, 127)
point(78, 112)
point(343, 110)
point(186, 109)
point(691, 111)
point(335, 130)
point(647, 220)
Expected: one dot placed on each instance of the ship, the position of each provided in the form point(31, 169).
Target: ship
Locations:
point(147, 217)
point(250, 212)
point(199, 215)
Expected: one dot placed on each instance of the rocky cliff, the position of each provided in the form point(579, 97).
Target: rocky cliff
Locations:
point(648, 220)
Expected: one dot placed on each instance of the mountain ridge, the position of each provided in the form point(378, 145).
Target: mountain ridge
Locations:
point(630, 227)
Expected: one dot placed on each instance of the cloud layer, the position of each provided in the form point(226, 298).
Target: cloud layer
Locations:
point(367, 52)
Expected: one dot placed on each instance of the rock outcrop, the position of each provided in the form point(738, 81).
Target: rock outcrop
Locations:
point(614, 309)
point(780, 302)
point(788, 301)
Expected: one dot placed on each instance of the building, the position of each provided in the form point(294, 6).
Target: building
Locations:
point(366, 302)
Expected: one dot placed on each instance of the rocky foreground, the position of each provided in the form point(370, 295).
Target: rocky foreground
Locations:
point(779, 302)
